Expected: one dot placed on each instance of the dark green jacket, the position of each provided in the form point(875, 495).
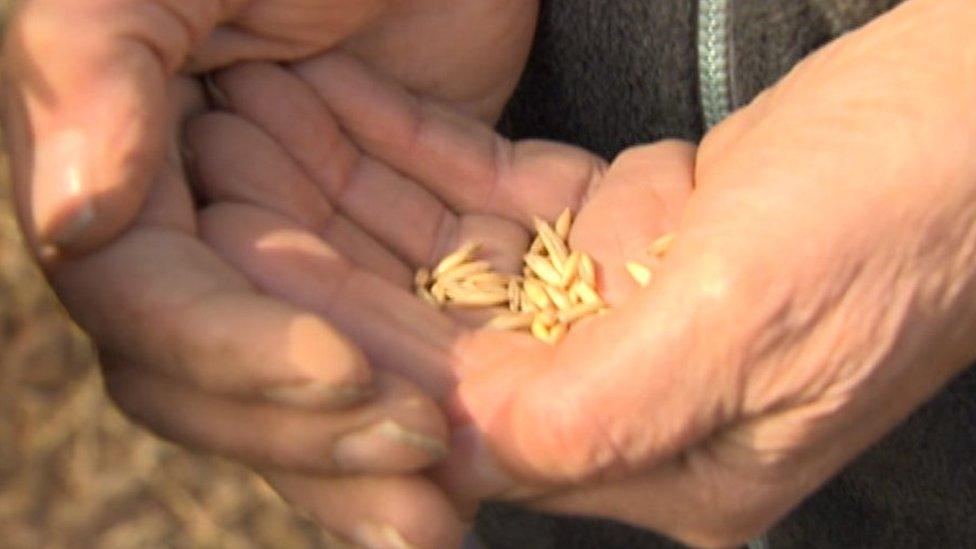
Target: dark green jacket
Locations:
point(608, 74)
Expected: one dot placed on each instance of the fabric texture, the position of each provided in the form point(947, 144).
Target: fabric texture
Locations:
point(608, 74)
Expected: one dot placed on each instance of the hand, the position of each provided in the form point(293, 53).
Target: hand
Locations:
point(307, 155)
point(87, 83)
point(819, 290)
point(190, 348)
point(755, 365)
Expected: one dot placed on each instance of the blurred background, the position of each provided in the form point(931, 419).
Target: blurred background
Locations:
point(75, 473)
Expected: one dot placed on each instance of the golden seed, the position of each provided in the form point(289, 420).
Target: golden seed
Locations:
point(439, 291)
point(481, 299)
point(536, 293)
point(462, 255)
point(661, 246)
point(556, 333)
point(547, 317)
point(422, 278)
point(558, 298)
point(488, 280)
point(577, 312)
point(570, 269)
point(564, 223)
point(543, 269)
point(514, 295)
point(640, 273)
point(424, 293)
point(558, 252)
point(511, 321)
point(539, 328)
point(525, 304)
point(465, 270)
point(587, 270)
point(537, 246)
point(587, 294)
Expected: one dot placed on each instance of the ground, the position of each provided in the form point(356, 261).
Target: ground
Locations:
point(74, 473)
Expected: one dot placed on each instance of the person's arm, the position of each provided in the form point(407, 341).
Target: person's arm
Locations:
point(95, 94)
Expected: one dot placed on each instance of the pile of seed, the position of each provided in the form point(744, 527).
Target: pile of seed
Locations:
point(556, 289)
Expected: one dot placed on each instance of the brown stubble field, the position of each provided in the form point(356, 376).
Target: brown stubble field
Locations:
point(73, 472)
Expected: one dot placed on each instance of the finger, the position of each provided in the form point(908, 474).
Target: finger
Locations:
point(84, 112)
point(461, 161)
point(397, 331)
point(397, 211)
point(632, 395)
point(235, 161)
point(640, 199)
point(393, 512)
point(162, 299)
point(399, 430)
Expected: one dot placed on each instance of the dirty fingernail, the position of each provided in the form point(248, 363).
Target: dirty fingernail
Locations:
point(387, 446)
point(61, 190)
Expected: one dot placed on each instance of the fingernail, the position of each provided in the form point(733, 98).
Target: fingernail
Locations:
point(318, 395)
point(385, 536)
point(386, 446)
point(62, 195)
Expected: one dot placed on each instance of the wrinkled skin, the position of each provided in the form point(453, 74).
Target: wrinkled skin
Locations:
point(95, 96)
point(818, 291)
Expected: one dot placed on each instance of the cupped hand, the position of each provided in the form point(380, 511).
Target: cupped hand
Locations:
point(94, 97)
point(812, 298)
point(329, 186)
point(87, 83)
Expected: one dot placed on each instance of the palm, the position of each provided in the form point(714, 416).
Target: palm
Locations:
point(332, 198)
point(361, 181)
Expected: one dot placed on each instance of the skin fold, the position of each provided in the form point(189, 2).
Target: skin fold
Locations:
point(818, 290)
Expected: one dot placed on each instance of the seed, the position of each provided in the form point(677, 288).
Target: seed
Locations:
point(587, 271)
point(514, 296)
point(548, 318)
point(587, 294)
point(564, 223)
point(558, 298)
point(465, 270)
point(553, 243)
point(543, 269)
point(537, 246)
point(439, 291)
point(462, 255)
point(640, 273)
point(487, 281)
point(556, 289)
point(556, 333)
point(577, 312)
point(536, 292)
point(539, 328)
point(661, 246)
point(476, 299)
point(422, 278)
point(511, 321)
point(570, 269)
point(424, 293)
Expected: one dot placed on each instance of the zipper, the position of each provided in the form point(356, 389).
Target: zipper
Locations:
point(713, 60)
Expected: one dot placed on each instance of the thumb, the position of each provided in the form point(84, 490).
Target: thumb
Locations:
point(622, 393)
point(84, 112)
